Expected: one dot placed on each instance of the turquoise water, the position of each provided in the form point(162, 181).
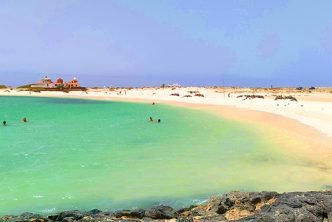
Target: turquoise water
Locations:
point(85, 154)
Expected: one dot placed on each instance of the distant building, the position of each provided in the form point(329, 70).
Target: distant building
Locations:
point(44, 83)
point(72, 84)
point(59, 83)
point(47, 83)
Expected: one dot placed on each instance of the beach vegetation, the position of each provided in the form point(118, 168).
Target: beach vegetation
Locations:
point(251, 97)
point(291, 98)
point(3, 87)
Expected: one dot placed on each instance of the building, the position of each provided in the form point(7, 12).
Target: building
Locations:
point(47, 83)
point(72, 84)
point(59, 83)
point(44, 83)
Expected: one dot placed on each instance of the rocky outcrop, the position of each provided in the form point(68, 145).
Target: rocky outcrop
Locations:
point(234, 206)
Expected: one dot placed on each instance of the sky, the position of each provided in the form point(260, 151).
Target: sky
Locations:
point(151, 42)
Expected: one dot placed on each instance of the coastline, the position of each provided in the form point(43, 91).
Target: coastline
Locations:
point(234, 206)
point(298, 139)
point(281, 122)
point(309, 119)
point(311, 109)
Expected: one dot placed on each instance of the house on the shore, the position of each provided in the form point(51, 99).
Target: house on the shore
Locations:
point(59, 83)
point(47, 83)
point(44, 83)
point(72, 84)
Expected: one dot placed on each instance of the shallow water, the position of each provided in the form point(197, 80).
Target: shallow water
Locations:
point(85, 154)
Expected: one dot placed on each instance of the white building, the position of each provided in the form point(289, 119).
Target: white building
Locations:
point(44, 83)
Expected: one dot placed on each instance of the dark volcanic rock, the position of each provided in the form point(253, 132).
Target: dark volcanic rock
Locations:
point(161, 212)
point(185, 219)
point(310, 206)
point(70, 215)
point(137, 213)
point(94, 212)
point(234, 206)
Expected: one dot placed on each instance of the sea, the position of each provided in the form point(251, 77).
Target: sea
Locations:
point(80, 154)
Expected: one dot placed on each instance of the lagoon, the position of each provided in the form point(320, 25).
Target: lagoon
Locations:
point(85, 154)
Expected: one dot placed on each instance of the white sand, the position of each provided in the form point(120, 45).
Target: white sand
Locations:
point(312, 109)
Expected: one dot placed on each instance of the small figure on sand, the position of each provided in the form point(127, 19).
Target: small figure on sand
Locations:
point(24, 120)
point(4, 123)
point(229, 95)
point(159, 120)
point(151, 120)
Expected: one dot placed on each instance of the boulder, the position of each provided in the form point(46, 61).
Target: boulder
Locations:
point(161, 212)
point(74, 215)
point(137, 213)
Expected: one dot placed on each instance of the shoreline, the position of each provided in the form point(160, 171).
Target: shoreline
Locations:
point(298, 139)
point(291, 136)
point(311, 111)
point(233, 206)
point(314, 140)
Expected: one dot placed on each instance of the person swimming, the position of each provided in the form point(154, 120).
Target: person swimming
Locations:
point(4, 123)
point(153, 103)
point(159, 120)
point(24, 120)
point(151, 120)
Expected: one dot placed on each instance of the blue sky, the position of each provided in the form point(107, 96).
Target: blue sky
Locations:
point(150, 42)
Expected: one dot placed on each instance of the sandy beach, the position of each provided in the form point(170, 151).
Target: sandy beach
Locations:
point(313, 109)
point(306, 123)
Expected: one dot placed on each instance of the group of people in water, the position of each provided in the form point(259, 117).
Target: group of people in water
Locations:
point(151, 119)
point(24, 120)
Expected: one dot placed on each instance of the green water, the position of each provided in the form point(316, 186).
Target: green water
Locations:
point(85, 154)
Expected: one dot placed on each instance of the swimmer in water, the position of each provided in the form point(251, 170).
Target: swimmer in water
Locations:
point(153, 103)
point(24, 120)
point(151, 120)
point(4, 123)
point(159, 120)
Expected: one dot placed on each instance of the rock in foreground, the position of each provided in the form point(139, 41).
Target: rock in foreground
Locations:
point(234, 206)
